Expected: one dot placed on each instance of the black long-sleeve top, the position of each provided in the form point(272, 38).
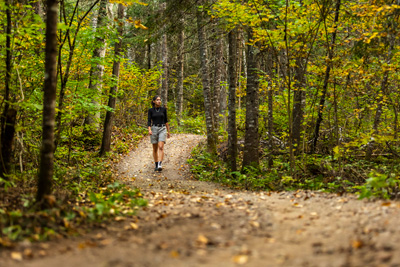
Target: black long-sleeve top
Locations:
point(157, 116)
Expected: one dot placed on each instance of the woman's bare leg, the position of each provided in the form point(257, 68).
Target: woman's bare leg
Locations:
point(160, 151)
point(155, 152)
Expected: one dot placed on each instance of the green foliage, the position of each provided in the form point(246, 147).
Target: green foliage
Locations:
point(192, 124)
point(208, 167)
point(85, 192)
point(379, 185)
point(115, 199)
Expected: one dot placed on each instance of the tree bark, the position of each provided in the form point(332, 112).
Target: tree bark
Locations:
point(181, 58)
point(106, 141)
point(217, 78)
point(165, 65)
point(211, 136)
point(298, 103)
point(232, 76)
point(251, 141)
point(92, 120)
point(45, 178)
point(326, 80)
point(5, 134)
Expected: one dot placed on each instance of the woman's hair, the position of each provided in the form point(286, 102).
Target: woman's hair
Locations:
point(154, 99)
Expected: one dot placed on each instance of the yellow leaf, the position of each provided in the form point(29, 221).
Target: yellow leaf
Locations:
point(174, 254)
point(138, 24)
point(241, 259)
point(357, 244)
point(134, 226)
point(201, 239)
point(16, 256)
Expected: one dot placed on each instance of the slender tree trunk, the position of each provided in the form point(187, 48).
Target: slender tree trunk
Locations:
point(179, 99)
point(49, 103)
point(217, 79)
point(270, 126)
point(106, 141)
point(269, 69)
point(92, 120)
point(211, 136)
point(165, 65)
point(298, 103)
point(149, 56)
point(223, 98)
point(326, 80)
point(396, 120)
point(232, 75)
point(240, 64)
point(9, 114)
point(251, 141)
point(38, 8)
point(288, 75)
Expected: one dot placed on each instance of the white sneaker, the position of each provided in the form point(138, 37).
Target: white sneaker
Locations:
point(159, 166)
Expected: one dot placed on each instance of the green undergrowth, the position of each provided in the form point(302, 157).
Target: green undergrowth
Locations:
point(86, 193)
point(379, 179)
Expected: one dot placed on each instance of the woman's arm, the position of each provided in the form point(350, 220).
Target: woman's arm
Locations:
point(166, 123)
point(149, 121)
point(168, 134)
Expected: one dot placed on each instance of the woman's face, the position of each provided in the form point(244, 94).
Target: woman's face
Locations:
point(157, 102)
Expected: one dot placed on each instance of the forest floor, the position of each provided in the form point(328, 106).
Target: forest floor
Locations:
point(195, 223)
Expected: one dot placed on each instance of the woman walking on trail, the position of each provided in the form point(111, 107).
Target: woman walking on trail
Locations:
point(158, 130)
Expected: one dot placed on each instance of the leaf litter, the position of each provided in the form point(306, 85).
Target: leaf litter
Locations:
point(194, 223)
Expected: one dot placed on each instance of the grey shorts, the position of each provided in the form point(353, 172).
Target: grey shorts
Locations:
point(159, 134)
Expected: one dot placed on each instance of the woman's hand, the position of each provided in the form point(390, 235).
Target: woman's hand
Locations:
point(150, 132)
point(168, 135)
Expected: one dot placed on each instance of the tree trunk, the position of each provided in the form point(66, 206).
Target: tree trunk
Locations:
point(179, 99)
point(106, 141)
point(217, 78)
point(211, 136)
point(251, 141)
point(92, 120)
point(298, 103)
point(49, 103)
point(270, 126)
point(232, 76)
point(165, 65)
point(5, 145)
point(326, 80)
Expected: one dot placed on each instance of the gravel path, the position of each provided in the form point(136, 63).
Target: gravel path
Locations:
point(193, 223)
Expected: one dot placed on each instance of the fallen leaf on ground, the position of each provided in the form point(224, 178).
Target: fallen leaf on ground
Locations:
point(174, 254)
point(134, 226)
point(202, 240)
point(357, 244)
point(16, 256)
point(240, 259)
point(28, 253)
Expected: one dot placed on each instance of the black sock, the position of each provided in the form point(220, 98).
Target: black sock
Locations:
point(156, 164)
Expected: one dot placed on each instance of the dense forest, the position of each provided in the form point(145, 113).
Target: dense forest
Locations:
point(290, 94)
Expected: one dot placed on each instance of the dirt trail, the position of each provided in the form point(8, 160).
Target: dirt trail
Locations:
point(192, 223)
